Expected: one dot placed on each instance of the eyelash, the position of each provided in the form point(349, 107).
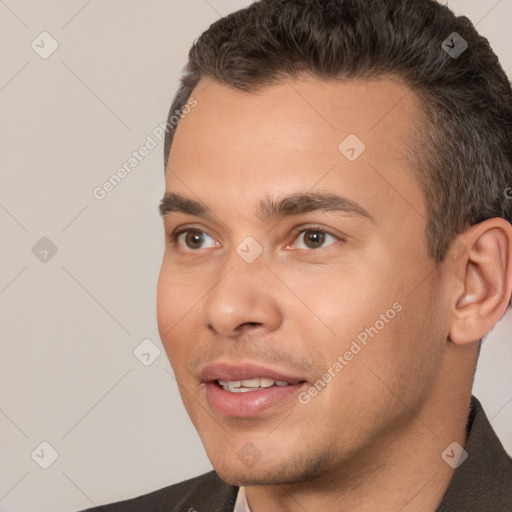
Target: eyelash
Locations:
point(173, 237)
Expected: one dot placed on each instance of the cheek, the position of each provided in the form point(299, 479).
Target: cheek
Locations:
point(404, 358)
point(345, 298)
point(177, 295)
point(174, 303)
point(369, 315)
point(165, 303)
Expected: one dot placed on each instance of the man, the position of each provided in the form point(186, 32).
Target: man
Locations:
point(337, 215)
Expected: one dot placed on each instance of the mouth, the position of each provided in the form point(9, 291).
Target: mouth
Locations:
point(250, 385)
point(249, 390)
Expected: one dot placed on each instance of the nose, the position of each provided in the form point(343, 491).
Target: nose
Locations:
point(243, 300)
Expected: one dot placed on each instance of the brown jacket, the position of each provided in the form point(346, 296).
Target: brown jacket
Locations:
point(483, 483)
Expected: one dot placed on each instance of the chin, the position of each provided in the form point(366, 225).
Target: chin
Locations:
point(287, 471)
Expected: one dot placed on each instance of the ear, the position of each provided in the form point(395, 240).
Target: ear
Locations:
point(481, 264)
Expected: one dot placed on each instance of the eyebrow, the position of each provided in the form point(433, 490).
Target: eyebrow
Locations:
point(290, 205)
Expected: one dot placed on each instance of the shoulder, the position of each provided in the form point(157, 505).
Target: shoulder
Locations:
point(482, 481)
point(205, 492)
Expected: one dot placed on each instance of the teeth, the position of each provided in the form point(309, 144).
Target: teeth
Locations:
point(251, 383)
point(244, 386)
point(231, 383)
point(266, 383)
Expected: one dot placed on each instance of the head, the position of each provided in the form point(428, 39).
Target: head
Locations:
point(337, 215)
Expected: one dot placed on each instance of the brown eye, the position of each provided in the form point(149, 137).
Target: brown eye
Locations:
point(314, 239)
point(195, 239)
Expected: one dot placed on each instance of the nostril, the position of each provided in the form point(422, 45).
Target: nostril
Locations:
point(248, 324)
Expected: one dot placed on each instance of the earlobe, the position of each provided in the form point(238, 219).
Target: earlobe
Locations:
point(485, 275)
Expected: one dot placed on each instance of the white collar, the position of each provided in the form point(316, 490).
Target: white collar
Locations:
point(241, 504)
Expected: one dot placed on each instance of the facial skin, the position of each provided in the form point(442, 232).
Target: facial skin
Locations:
point(381, 423)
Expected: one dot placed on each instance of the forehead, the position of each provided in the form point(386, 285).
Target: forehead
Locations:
point(364, 105)
point(294, 136)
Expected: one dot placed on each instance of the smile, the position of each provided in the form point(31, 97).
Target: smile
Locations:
point(244, 389)
point(248, 385)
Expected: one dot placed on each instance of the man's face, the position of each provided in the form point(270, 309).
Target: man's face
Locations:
point(304, 262)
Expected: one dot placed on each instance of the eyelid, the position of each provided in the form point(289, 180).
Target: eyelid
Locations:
point(188, 227)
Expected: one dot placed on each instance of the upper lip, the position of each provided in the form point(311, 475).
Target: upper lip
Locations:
point(244, 371)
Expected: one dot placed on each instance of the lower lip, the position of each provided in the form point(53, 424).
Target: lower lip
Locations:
point(251, 403)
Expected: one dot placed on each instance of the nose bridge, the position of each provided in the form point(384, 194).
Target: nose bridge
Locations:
point(244, 264)
point(241, 294)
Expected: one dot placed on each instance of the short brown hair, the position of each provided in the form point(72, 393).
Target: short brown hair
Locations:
point(463, 148)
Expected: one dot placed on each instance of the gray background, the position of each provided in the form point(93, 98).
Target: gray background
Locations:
point(69, 324)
